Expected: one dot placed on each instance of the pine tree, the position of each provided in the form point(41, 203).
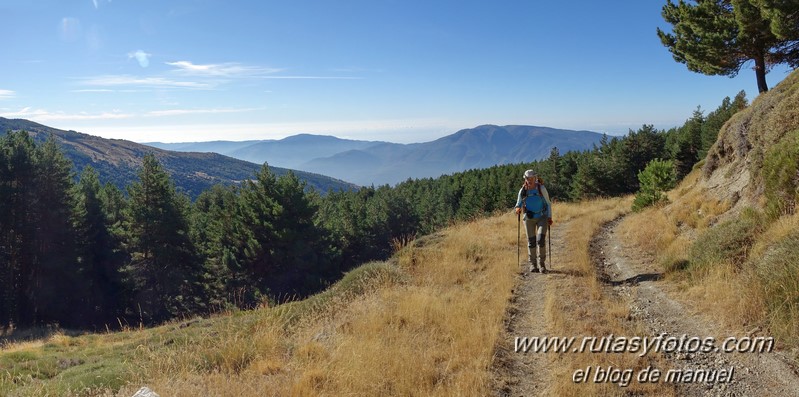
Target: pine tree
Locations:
point(99, 252)
point(717, 37)
point(165, 269)
point(259, 208)
point(471, 202)
point(301, 248)
point(218, 232)
point(599, 172)
point(57, 285)
point(553, 180)
point(637, 150)
point(783, 16)
point(18, 227)
point(687, 144)
point(38, 264)
point(115, 207)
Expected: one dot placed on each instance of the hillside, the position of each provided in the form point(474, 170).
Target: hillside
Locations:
point(117, 161)
point(756, 153)
point(376, 163)
point(728, 243)
point(401, 327)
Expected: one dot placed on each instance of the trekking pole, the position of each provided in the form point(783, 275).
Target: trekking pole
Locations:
point(549, 236)
point(518, 238)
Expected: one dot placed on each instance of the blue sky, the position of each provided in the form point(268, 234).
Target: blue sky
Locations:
point(401, 71)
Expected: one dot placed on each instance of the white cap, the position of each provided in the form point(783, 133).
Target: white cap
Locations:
point(530, 174)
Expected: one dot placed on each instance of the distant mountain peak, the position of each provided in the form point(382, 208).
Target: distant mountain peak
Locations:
point(118, 161)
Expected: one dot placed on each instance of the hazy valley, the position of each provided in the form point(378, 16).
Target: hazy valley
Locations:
point(376, 163)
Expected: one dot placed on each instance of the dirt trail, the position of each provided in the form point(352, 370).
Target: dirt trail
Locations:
point(632, 274)
point(520, 374)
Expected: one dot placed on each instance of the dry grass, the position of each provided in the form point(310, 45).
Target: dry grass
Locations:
point(777, 230)
point(651, 230)
point(725, 294)
point(693, 207)
point(430, 332)
point(667, 232)
point(432, 336)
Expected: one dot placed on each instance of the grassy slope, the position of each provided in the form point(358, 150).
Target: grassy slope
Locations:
point(425, 323)
point(739, 267)
point(730, 237)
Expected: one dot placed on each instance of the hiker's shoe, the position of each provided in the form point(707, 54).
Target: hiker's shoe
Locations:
point(533, 269)
point(543, 269)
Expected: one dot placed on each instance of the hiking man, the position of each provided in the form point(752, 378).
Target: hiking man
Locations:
point(534, 201)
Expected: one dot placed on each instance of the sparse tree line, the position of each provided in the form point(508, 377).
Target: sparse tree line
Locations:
point(83, 254)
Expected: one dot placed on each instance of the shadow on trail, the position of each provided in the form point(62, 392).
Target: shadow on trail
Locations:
point(565, 272)
point(634, 280)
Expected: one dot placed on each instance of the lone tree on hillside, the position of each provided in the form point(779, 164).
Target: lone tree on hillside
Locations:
point(717, 37)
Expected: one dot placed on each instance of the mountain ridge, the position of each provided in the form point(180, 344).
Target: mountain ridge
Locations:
point(117, 161)
point(378, 162)
point(480, 147)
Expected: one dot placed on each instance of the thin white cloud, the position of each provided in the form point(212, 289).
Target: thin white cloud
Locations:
point(312, 77)
point(69, 29)
point(97, 3)
point(142, 57)
point(94, 90)
point(7, 94)
point(151, 82)
point(233, 70)
point(181, 112)
point(45, 115)
point(230, 70)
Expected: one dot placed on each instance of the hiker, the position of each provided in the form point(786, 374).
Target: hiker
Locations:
point(534, 201)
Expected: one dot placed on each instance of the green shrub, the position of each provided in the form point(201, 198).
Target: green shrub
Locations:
point(658, 177)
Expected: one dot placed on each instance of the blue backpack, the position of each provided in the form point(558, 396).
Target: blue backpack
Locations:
point(534, 202)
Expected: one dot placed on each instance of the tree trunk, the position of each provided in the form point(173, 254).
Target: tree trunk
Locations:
point(760, 73)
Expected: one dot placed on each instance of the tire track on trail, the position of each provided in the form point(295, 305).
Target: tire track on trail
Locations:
point(517, 374)
point(633, 275)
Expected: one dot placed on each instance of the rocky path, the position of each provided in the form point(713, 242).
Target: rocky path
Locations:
point(632, 274)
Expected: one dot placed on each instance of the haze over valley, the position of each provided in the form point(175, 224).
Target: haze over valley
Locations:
point(368, 163)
